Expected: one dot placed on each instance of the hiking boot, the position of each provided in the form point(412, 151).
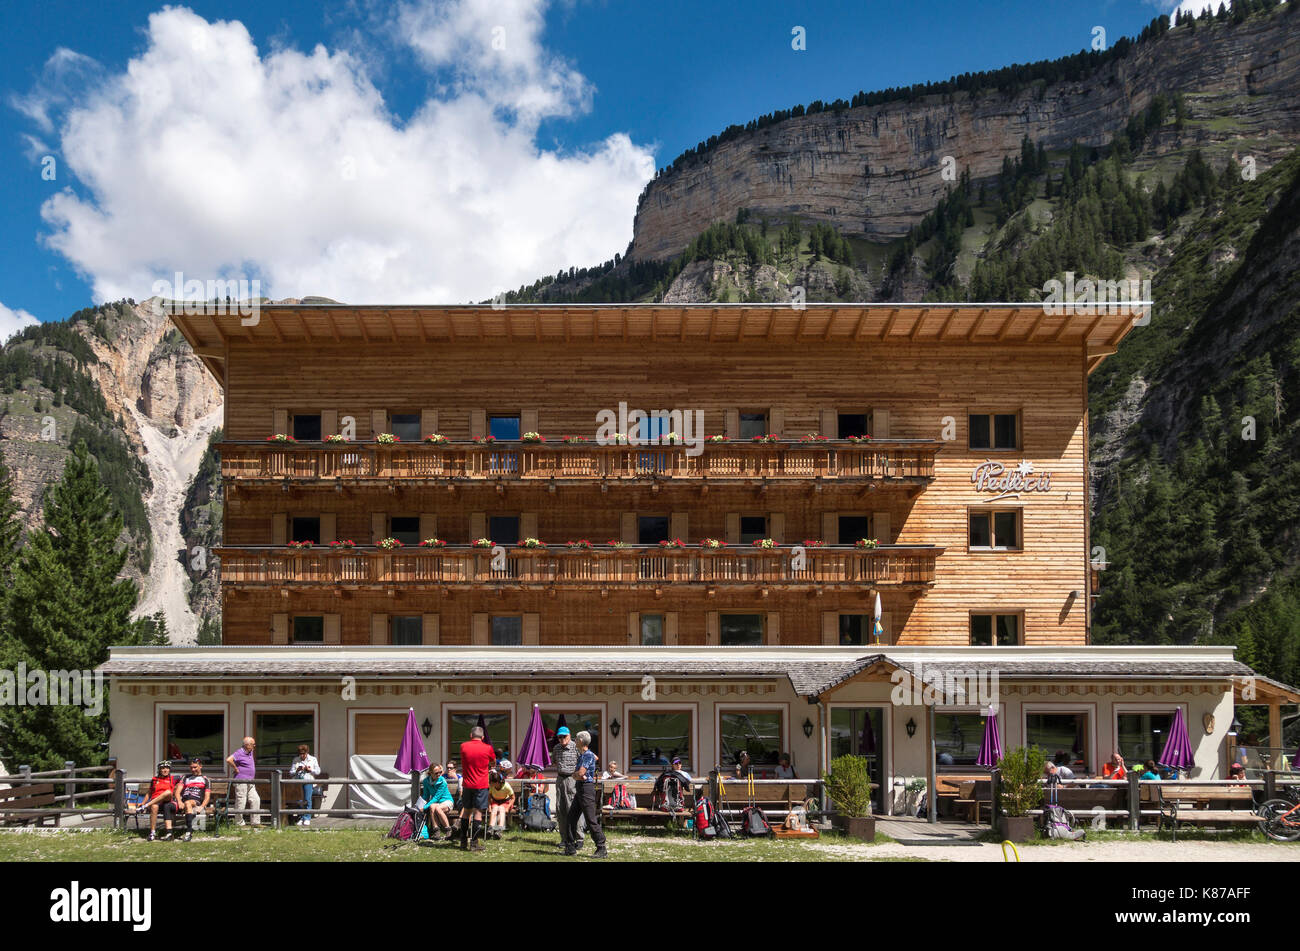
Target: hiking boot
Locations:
point(600, 854)
point(478, 846)
point(187, 837)
point(166, 837)
point(570, 851)
point(152, 837)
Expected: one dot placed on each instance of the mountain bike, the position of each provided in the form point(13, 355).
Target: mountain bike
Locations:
point(1282, 817)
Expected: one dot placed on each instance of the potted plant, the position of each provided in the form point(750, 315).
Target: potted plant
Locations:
point(615, 543)
point(848, 785)
point(433, 543)
point(574, 440)
point(814, 437)
point(436, 439)
point(813, 543)
point(865, 437)
point(389, 544)
point(1019, 791)
point(912, 793)
point(671, 439)
point(865, 544)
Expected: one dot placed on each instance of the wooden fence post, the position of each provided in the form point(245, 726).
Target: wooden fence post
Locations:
point(1270, 785)
point(277, 794)
point(69, 788)
point(1134, 799)
point(119, 799)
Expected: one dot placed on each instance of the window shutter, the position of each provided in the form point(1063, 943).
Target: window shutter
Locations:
point(329, 528)
point(429, 629)
point(776, 526)
point(772, 632)
point(428, 422)
point(830, 427)
point(279, 529)
point(378, 422)
point(887, 622)
point(731, 423)
point(670, 628)
point(528, 525)
point(329, 422)
point(831, 528)
point(477, 423)
point(279, 629)
point(880, 423)
point(532, 629)
point(479, 629)
point(679, 526)
point(333, 629)
point(880, 528)
point(732, 529)
point(712, 633)
point(379, 629)
point(629, 532)
point(477, 525)
point(428, 525)
point(633, 627)
point(279, 422)
point(830, 628)
point(775, 421)
point(378, 526)
point(528, 421)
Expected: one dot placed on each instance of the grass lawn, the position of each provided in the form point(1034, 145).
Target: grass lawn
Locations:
point(369, 845)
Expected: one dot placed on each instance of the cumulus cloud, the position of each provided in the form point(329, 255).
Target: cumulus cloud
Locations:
point(209, 157)
point(12, 321)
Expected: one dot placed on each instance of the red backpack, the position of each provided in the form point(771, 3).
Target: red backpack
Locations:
point(620, 798)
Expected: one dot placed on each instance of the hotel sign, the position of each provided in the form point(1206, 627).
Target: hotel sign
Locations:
point(994, 477)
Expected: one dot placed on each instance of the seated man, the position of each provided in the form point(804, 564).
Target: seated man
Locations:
point(438, 802)
point(161, 797)
point(1114, 768)
point(196, 792)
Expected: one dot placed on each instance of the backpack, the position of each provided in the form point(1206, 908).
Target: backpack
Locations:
point(705, 814)
point(667, 795)
point(1060, 824)
point(754, 823)
point(619, 798)
point(407, 824)
point(535, 818)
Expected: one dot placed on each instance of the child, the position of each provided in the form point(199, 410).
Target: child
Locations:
point(500, 798)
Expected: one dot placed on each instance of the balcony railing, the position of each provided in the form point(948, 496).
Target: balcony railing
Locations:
point(904, 461)
point(893, 565)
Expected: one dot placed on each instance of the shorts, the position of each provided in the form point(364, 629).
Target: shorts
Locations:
point(474, 799)
point(197, 800)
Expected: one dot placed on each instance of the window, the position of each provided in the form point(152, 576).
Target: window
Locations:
point(503, 529)
point(654, 739)
point(957, 738)
point(994, 630)
point(652, 529)
point(860, 731)
point(753, 424)
point(757, 732)
point(588, 720)
point(309, 629)
point(995, 529)
point(752, 528)
point(507, 631)
point(851, 424)
point(855, 629)
point(1141, 736)
point(406, 529)
point(406, 427)
point(994, 431)
point(652, 630)
point(854, 527)
point(503, 427)
point(304, 529)
point(743, 630)
point(195, 734)
point(654, 427)
point(278, 734)
point(306, 427)
point(406, 629)
point(496, 724)
point(1062, 736)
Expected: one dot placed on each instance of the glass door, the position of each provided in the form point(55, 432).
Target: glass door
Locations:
point(859, 731)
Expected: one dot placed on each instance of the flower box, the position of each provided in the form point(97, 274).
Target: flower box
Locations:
point(814, 437)
point(530, 543)
point(387, 439)
point(302, 544)
point(615, 543)
point(813, 543)
point(436, 439)
point(280, 437)
point(388, 544)
point(532, 437)
point(485, 440)
point(766, 440)
point(344, 544)
point(336, 439)
point(865, 544)
point(675, 544)
point(433, 543)
point(580, 545)
point(481, 543)
point(716, 439)
point(712, 544)
point(574, 440)
point(860, 439)
point(766, 544)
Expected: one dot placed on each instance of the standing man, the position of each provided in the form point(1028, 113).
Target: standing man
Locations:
point(246, 797)
point(476, 759)
point(565, 756)
point(586, 806)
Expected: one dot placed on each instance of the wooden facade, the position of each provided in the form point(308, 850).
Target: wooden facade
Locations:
point(915, 373)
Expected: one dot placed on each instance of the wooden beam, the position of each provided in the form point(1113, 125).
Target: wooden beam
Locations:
point(947, 322)
point(890, 324)
point(275, 325)
point(625, 325)
point(1034, 328)
point(1006, 327)
point(830, 322)
point(361, 326)
point(862, 323)
point(1119, 334)
point(1091, 327)
point(975, 327)
point(392, 326)
point(1065, 322)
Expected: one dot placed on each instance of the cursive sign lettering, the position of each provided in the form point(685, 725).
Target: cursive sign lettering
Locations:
point(990, 476)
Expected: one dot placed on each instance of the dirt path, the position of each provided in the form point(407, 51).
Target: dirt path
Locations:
point(1140, 850)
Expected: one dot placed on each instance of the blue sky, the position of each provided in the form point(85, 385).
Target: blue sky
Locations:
point(433, 150)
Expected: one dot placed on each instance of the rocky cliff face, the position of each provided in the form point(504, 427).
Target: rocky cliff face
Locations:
point(876, 170)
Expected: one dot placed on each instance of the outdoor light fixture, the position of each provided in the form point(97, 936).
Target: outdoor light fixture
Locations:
point(807, 728)
point(426, 728)
point(1235, 728)
point(911, 728)
point(615, 728)
point(108, 729)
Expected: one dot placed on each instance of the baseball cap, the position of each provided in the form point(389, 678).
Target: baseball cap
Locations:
point(562, 731)
point(677, 760)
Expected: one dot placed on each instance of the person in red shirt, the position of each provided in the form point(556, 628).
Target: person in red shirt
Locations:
point(162, 797)
point(476, 759)
point(1115, 768)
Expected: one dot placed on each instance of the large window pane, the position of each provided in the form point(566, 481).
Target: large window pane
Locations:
point(1006, 529)
point(957, 738)
point(652, 630)
point(979, 530)
point(406, 427)
point(1062, 736)
point(306, 427)
point(503, 530)
point(507, 631)
point(1008, 628)
point(406, 529)
point(981, 436)
point(1142, 736)
point(504, 427)
point(855, 629)
point(278, 734)
point(408, 630)
point(859, 731)
point(655, 738)
point(1004, 431)
point(752, 528)
point(496, 723)
point(195, 734)
point(588, 720)
point(853, 528)
point(753, 425)
point(305, 529)
point(741, 630)
point(652, 529)
point(309, 630)
point(759, 733)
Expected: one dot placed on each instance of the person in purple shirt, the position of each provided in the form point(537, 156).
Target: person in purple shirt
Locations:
point(245, 793)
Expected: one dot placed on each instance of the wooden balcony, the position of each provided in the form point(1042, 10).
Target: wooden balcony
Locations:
point(907, 462)
point(888, 566)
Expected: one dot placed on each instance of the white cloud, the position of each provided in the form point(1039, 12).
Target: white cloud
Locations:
point(12, 321)
point(1194, 7)
point(207, 157)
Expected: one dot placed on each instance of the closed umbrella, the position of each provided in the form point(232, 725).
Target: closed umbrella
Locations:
point(867, 742)
point(482, 723)
point(411, 757)
point(1177, 754)
point(534, 752)
point(877, 629)
point(991, 747)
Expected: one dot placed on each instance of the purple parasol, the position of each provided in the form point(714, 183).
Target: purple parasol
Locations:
point(1177, 753)
point(867, 741)
point(534, 751)
point(411, 757)
point(991, 748)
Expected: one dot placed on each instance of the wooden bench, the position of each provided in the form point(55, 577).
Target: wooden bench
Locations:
point(27, 796)
point(217, 810)
point(643, 790)
point(948, 793)
point(1202, 804)
point(775, 799)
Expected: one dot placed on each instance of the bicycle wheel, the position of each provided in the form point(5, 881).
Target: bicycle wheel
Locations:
point(1277, 824)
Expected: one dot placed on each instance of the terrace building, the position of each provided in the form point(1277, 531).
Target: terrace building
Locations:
point(711, 564)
